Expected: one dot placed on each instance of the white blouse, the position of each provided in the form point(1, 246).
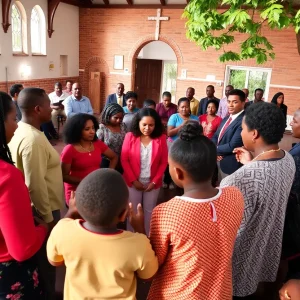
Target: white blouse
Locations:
point(146, 155)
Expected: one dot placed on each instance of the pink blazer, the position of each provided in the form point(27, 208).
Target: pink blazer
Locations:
point(131, 159)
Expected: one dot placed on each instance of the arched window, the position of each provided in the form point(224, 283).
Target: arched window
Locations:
point(38, 31)
point(19, 28)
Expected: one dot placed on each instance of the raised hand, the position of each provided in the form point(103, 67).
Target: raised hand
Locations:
point(242, 155)
point(136, 220)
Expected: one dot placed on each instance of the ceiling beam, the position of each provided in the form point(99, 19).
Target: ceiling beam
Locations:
point(163, 2)
point(138, 6)
point(5, 14)
point(52, 6)
point(129, 2)
point(72, 2)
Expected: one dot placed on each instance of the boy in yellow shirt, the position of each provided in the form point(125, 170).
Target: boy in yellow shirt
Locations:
point(101, 260)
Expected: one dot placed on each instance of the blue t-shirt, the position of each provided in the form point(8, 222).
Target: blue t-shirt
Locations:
point(126, 111)
point(175, 120)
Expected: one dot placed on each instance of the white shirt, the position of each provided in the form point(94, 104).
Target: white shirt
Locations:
point(233, 117)
point(146, 155)
point(55, 99)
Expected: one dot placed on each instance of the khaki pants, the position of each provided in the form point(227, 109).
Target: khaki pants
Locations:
point(55, 113)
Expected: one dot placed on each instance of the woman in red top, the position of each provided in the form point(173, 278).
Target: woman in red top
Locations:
point(83, 152)
point(210, 121)
point(20, 239)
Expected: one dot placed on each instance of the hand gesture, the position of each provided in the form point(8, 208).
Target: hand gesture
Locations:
point(291, 290)
point(138, 185)
point(219, 158)
point(149, 187)
point(136, 220)
point(242, 155)
point(72, 212)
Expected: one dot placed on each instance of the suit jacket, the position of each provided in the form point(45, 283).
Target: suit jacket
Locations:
point(131, 159)
point(231, 139)
point(19, 114)
point(112, 98)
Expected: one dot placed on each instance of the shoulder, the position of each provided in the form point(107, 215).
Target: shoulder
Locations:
point(9, 172)
point(68, 99)
point(232, 192)
point(203, 99)
point(158, 105)
point(193, 117)
point(173, 105)
point(67, 149)
point(85, 98)
point(203, 117)
point(64, 225)
point(100, 144)
point(174, 117)
point(51, 94)
point(129, 136)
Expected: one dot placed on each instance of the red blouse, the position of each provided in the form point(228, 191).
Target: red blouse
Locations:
point(82, 164)
point(20, 239)
point(209, 128)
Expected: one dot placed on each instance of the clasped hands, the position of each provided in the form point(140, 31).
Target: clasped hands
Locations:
point(145, 188)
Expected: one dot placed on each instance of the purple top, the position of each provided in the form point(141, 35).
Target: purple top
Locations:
point(164, 113)
point(223, 109)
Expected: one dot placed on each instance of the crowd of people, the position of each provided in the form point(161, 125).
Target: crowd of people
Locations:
point(225, 237)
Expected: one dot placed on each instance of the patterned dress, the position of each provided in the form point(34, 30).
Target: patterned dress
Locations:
point(193, 240)
point(266, 186)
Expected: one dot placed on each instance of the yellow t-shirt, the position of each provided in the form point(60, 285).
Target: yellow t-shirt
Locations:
point(194, 105)
point(100, 266)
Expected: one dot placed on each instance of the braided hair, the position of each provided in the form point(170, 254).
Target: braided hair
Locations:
point(109, 111)
point(5, 108)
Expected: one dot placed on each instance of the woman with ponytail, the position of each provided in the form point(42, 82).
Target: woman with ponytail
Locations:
point(20, 239)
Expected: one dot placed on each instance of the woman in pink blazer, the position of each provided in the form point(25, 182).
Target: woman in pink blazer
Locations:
point(144, 159)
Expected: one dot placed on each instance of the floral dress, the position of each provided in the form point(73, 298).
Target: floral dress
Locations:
point(20, 280)
point(114, 140)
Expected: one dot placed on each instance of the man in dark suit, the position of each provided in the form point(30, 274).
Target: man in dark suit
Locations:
point(118, 97)
point(228, 135)
point(14, 92)
point(210, 93)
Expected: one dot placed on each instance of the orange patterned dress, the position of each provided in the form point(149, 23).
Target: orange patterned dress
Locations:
point(194, 240)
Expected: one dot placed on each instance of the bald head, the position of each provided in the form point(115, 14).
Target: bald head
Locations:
point(77, 90)
point(120, 89)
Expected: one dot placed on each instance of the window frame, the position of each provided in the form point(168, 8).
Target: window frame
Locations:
point(42, 31)
point(248, 69)
point(24, 46)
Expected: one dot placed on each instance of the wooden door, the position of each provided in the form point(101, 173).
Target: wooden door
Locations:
point(94, 91)
point(148, 80)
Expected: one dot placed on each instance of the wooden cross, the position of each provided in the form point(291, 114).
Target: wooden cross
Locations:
point(158, 18)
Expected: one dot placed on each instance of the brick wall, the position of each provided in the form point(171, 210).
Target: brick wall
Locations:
point(108, 32)
point(45, 83)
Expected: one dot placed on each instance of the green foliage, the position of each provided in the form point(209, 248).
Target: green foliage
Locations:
point(208, 27)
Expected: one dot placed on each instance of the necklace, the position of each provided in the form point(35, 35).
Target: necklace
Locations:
point(264, 152)
point(88, 150)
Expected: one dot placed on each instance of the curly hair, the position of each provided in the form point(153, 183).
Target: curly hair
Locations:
point(98, 200)
point(109, 111)
point(6, 105)
point(131, 94)
point(73, 128)
point(193, 151)
point(147, 112)
point(215, 102)
point(268, 120)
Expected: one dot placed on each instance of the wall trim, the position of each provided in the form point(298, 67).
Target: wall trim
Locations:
point(285, 86)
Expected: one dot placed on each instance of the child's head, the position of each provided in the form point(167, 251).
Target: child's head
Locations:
point(149, 103)
point(102, 198)
point(192, 157)
point(131, 100)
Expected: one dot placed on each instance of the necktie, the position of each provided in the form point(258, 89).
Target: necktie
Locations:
point(224, 129)
point(119, 101)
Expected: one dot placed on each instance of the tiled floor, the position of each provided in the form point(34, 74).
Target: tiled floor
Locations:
point(164, 195)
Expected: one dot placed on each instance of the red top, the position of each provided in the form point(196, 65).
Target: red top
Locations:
point(209, 128)
point(131, 159)
point(82, 164)
point(20, 239)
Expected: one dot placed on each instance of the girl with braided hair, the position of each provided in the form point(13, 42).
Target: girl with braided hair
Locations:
point(20, 239)
point(112, 131)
